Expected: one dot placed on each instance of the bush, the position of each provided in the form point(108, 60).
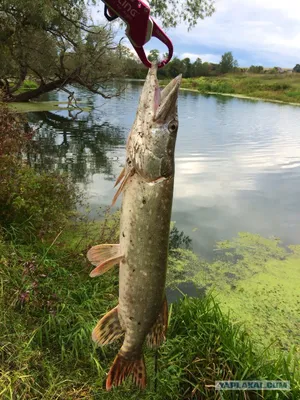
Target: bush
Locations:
point(31, 202)
point(28, 84)
point(278, 86)
point(38, 203)
point(13, 136)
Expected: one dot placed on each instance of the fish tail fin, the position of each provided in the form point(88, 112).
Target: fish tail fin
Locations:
point(122, 368)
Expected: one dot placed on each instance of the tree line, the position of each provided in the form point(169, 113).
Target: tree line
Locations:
point(134, 69)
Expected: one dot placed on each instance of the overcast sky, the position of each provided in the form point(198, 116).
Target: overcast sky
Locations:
point(265, 32)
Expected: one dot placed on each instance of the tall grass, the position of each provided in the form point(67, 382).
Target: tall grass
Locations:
point(285, 87)
point(49, 306)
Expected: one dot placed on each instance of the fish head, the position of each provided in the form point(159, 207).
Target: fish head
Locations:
point(151, 146)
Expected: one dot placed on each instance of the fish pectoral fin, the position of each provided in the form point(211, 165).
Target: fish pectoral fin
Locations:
point(157, 335)
point(103, 252)
point(121, 176)
point(108, 329)
point(105, 266)
point(122, 186)
point(122, 368)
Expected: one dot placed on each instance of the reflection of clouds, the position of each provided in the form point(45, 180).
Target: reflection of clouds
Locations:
point(239, 141)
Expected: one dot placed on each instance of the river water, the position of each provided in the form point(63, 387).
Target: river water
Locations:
point(237, 161)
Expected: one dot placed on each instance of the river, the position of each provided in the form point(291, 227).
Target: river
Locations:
point(237, 161)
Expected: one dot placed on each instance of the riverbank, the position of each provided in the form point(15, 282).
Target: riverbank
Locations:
point(284, 89)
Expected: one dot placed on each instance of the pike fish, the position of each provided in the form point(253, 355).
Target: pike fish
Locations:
point(146, 183)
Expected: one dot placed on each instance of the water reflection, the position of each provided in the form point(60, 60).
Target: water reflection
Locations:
point(237, 161)
point(79, 147)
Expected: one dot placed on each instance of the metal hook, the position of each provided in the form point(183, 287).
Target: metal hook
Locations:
point(159, 34)
point(109, 15)
point(140, 26)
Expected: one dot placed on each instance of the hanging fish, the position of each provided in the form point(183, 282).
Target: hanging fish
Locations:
point(146, 183)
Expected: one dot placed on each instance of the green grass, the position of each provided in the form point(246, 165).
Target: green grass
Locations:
point(49, 305)
point(283, 87)
point(39, 106)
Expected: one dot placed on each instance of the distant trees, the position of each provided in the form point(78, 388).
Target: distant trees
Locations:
point(256, 69)
point(154, 55)
point(134, 69)
point(228, 63)
point(296, 68)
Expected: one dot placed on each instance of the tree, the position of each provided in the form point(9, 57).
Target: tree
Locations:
point(53, 42)
point(154, 55)
point(187, 73)
point(256, 69)
point(131, 65)
point(228, 63)
point(197, 68)
point(173, 12)
point(296, 68)
point(174, 68)
point(56, 44)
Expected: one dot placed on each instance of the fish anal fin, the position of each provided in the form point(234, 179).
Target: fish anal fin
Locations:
point(158, 332)
point(121, 176)
point(108, 329)
point(105, 266)
point(102, 252)
point(122, 368)
point(122, 186)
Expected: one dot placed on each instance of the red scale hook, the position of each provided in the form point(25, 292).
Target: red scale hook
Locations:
point(140, 26)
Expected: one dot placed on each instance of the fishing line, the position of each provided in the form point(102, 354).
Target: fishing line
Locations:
point(156, 355)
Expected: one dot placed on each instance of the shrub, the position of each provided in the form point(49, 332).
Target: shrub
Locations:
point(28, 84)
point(29, 201)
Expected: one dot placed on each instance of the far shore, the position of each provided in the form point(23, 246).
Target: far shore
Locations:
point(241, 96)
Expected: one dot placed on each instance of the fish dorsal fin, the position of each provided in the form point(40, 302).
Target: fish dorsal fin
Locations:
point(158, 332)
point(108, 329)
point(104, 257)
point(121, 176)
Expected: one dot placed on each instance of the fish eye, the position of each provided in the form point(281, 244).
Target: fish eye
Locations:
point(173, 126)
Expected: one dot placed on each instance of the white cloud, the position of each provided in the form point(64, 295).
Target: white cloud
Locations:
point(256, 31)
point(214, 58)
point(268, 30)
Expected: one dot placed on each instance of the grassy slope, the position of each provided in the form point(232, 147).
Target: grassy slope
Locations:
point(49, 306)
point(285, 87)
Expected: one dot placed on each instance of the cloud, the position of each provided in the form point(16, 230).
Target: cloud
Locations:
point(213, 58)
point(262, 32)
point(265, 32)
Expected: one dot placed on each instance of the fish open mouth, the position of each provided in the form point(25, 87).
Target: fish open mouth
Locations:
point(165, 101)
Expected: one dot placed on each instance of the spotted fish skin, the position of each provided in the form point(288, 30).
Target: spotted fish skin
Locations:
point(146, 183)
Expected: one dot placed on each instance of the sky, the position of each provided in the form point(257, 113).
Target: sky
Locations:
point(258, 32)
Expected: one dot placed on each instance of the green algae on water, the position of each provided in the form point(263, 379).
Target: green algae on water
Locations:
point(256, 279)
point(40, 106)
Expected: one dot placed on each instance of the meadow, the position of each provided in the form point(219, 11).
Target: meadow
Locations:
point(274, 87)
